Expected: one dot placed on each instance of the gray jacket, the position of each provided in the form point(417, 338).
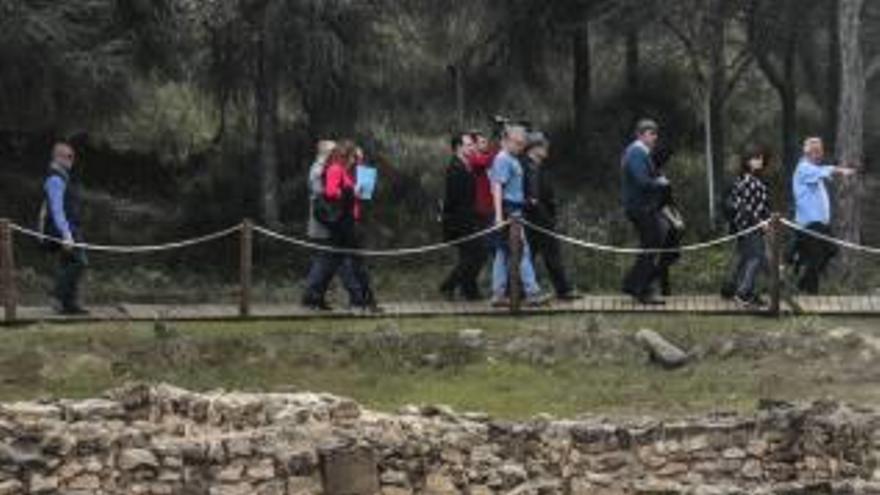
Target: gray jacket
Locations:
point(316, 230)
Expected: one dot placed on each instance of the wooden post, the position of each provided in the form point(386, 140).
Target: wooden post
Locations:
point(515, 286)
point(774, 236)
point(7, 272)
point(246, 263)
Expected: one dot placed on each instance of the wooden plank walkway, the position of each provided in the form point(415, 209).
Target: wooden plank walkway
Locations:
point(706, 305)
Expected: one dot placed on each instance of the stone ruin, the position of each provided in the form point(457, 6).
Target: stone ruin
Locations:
point(163, 440)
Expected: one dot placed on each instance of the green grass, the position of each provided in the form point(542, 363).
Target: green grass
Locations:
point(595, 367)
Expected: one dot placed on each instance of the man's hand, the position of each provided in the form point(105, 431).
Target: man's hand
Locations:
point(662, 181)
point(845, 171)
point(68, 243)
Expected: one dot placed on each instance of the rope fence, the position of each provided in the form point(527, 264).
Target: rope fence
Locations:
point(248, 231)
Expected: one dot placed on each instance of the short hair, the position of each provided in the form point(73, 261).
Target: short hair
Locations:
point(516, 129)
point(754, 151)
point(457, 140)
point(326, 147)
point(646, 125)
point(812, 142)
point(537, 139)
point(61, 145)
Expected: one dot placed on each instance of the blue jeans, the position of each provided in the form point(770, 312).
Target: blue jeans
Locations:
point(752, 253)
point(501, 276)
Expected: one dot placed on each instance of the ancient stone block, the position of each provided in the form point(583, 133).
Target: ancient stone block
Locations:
point(349, 471)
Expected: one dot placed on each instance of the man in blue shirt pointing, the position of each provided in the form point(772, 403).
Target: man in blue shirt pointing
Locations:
point(60, 220)
point(813, 212)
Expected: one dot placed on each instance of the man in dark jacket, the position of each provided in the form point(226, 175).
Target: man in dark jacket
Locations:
point(541, 210)
point(60, 220)
point(643, 188)
point(460, 219)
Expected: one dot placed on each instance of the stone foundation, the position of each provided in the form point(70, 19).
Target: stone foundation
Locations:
point(162, 440)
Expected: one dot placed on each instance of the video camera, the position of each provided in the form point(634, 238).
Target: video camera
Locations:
point(501, 123)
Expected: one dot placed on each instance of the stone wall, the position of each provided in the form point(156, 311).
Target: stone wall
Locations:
point(162, 440)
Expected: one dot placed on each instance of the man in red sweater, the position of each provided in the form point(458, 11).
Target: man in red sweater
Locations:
point(480, 163)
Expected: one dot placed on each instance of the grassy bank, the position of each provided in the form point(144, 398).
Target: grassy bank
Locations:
point(564, 366)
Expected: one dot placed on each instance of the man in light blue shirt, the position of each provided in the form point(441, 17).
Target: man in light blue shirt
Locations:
point(507, 177)
point(813, 212)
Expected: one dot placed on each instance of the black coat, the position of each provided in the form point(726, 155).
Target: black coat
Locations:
point(459, 205)
point(541, 201)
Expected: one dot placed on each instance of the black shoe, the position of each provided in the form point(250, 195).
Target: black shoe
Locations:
point(74, 311)
point(750, 302)
point(316, 304)
point(448, 294)
point(648, 300)
point(368, 309)
point(476, 297)
point(569, 296)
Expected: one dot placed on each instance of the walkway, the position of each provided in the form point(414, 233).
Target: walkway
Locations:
point(703, 305)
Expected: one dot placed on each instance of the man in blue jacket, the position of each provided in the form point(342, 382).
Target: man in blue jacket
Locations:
point(643, 187)
point(61, 221)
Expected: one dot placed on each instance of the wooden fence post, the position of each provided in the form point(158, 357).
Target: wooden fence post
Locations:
point(774, 236)
point(515, 286)
point(246, 265)
point(7, 272)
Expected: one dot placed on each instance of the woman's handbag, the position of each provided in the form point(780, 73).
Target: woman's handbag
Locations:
point(674, 217)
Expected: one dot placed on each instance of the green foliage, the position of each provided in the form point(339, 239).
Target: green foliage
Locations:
point(69, 63)
point(173, 121)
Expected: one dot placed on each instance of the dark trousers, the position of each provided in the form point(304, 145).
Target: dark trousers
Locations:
point(671, 240)
point(71, 266)
point(646, 269)
point(351, 269)
point(471, 259)
point(812, 257)
point(751, 252)
point(549, 249)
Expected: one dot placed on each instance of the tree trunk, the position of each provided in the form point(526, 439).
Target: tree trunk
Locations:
point(850, 129)
point(583, 87)
point(717, 97)
point(266, 99)
point(456, 75)
point(633, 55)
point(832, 92)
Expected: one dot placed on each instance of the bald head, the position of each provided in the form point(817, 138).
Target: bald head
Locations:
point(814, 149)
point(62, 154)
point(516, 138)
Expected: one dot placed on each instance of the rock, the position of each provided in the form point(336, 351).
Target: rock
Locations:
point(88, 482)
point(432, 360)
point(303, 486)
point(394, 478)
point(27, 460)
point(11, 487)
point(95, 409)
point(473, 339)
point(512, 474)
point(239, 447)
point(40, 484)
point(239, 489)
point(132, 459)
point(262, 471)
point(233, 473)
point(661, 351)
point(439, 484)
point(27, 411)
point(349, 470)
